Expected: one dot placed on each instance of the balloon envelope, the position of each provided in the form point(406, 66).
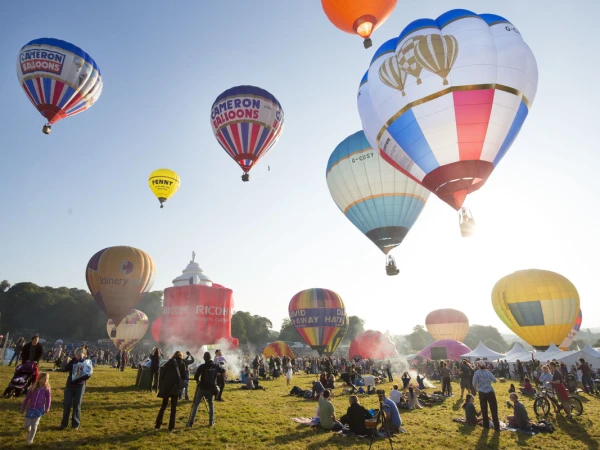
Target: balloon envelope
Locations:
point(447, 98)
point(246, 121)
point(278, 348)
point(372, 344)
point(380, 201)
point(444, 349)
point(59, 78)
point(539, 306)
point(572, 334)
point(129, 332)
point(319, 315)
point(118, 277)
point(155, 329)
point(447, 324)
point(163, 184)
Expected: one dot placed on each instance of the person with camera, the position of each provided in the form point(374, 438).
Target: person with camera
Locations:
point(392, 418)
point(154, 367)
point(206, 388)
point(170, 385)
point(189, 359)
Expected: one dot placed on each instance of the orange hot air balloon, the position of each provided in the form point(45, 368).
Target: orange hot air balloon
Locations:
point(118, 277)
point(360, 17)
point(447, 324)
point(278, 348)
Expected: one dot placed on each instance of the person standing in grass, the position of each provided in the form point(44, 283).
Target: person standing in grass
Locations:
point(171, 383)
point(220, 361)
point(154, 366)
point(37, 402)
point(206, 387)
point(482, 381)
point(74, 391)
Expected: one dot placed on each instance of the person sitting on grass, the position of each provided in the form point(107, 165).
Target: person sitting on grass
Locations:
point(355, 417)
point(412, 397)
point(251, 383)
point(471, 414)
point(317, 388)
point(323, 378)
point(420, 381)
point(396, 395)
point(331, 381)
point(393, 421)
point(520, 419)
point(527, 388)
point(327, 413)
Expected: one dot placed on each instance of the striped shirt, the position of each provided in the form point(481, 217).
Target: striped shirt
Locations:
point(482, 381)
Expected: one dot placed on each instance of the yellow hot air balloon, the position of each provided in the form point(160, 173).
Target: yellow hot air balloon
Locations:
point(163, 183)
point(118, 277)
point(537, 305)
point(129, 332)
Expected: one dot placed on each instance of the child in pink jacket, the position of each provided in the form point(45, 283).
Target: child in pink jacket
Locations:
point(37, 402)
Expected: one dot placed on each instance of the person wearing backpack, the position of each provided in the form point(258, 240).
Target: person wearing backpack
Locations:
point(206, 388)
point(171, 383)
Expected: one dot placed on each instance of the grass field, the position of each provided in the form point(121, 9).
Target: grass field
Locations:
point(116, 415)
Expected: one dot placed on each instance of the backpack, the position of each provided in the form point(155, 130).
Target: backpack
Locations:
point(208, 379)
point(543, 426)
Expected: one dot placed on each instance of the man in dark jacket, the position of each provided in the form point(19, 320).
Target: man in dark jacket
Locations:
point(32, 351)
point(171, 383)
point(355, 417)
point(206, 388)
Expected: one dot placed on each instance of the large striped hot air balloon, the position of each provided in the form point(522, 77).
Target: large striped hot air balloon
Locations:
point(380, 201)
point(247, 121)
point(320, 318)
point(129, 332)
point(278, 348)
point(539, 306)
point(447, 324)
point(118, 277)
point(445, 100)
point(59, 78)
point(566, 343)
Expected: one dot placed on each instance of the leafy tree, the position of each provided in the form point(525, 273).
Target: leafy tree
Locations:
point(419, 338)
point(356, 325)
point(238, 330)
point(288, 332)
point(4, 285)
point(256, 327)
point(483, 333)
point(493, 345)
point(597, 344)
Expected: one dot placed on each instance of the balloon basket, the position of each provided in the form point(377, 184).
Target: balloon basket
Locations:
point(246, 177)
point(46, 129)
point(368, 43)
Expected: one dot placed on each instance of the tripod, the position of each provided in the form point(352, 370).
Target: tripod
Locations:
point(381, 417)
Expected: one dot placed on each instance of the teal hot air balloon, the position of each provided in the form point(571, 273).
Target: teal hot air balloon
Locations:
point(379, 200)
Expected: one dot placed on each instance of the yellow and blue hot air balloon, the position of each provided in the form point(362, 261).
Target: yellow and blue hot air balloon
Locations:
point(129, 332)
point(539, 306)
point(163, 183)
point(59, 78)
point(319, 316)
point(379, 200)
point(278, 348)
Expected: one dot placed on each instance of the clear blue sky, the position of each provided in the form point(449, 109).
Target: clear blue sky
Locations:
point(84, 187)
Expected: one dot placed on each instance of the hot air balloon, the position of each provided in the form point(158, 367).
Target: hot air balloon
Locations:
point(372, 344)
point(468, 85)
point(360, 17)
point(247, 121)
point(129, 332)
point(318, 315)
point(337, 339)
point(155, 329)
point(163, 183)
point(539, 306)
point(447, 324)
point(59, 78)
point(444, 349)
point(380, 201)
point(118, 277)
point(566, 343)
point(278, 348)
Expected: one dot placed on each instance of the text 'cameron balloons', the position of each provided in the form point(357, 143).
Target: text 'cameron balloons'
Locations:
point(163, 183)
point(380, 201)
point(446, 99)
point(319, 316)
point(571, 336)
point(247, 121)
point(539, 306)
point(447, 324)
point(129, 332)
point(196, 315)
point(278, 348)
point(360, 17)
point(118, 277)
point(59, 78)
point(372, 344)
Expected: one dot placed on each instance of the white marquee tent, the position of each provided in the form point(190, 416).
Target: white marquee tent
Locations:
point(483, 352)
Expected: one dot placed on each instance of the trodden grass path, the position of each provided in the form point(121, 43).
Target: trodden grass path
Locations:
point(116, 415)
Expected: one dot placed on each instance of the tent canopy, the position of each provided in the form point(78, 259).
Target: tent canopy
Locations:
point(517, 349)
point(552, 352)
point(483, 352)
point(572, 358)
point(591, 351)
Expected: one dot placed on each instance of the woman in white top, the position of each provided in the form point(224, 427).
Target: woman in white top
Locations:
point(412, 397)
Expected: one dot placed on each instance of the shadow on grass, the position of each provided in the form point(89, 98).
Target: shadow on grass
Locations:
point(457, 404)
point(122, 406)
point(118, 440)
point(577, 431)
point(489, 438)
point(302, 432)
point(111, 389)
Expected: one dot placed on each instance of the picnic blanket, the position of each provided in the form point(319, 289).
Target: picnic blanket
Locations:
point(503, 426)
point(304, 421)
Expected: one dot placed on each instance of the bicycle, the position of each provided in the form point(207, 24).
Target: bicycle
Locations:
point(541, 405)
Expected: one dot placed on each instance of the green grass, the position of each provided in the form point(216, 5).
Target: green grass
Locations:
point(116, 415)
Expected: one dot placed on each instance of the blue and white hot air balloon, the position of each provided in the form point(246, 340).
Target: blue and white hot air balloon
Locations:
point(60, 79)
point(379, 200)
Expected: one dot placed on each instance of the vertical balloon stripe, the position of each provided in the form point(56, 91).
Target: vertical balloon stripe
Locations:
point(261, 141)
point(32, 93)
point(224, 144)
point(513, 132)
point(236, 137)
point(225, 132)
point(66, 96)
point(245, 126)
point(254, 135)
point(59, 89)
point(472, 110)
